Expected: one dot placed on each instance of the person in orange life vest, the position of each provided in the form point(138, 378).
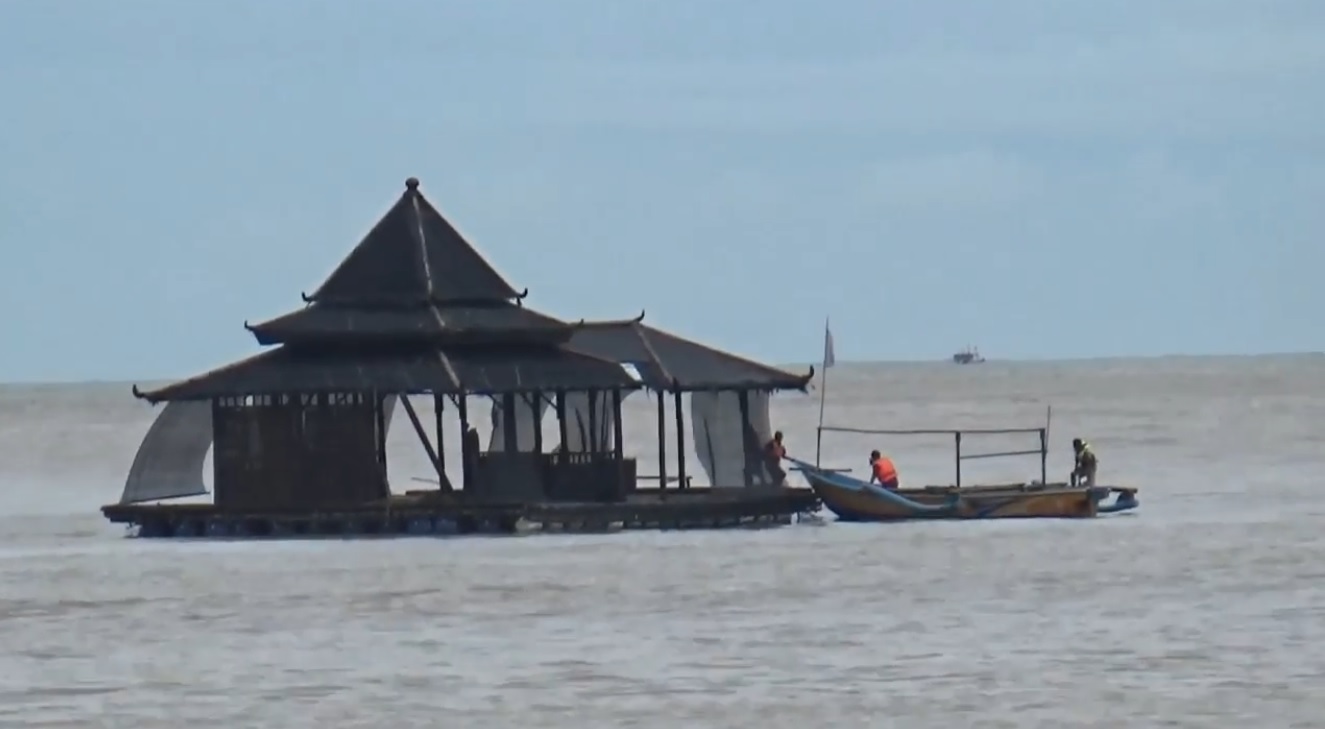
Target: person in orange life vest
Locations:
point(882, 470)
point(774, 452)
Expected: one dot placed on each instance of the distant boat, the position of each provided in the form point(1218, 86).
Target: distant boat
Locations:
point(970, 355)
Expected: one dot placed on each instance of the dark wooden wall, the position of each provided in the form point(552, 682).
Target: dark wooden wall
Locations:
point(288, 452)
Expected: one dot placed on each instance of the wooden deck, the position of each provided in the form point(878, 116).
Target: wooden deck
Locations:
point(434, 513)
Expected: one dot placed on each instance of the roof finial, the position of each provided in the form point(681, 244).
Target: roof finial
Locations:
point(412, 183)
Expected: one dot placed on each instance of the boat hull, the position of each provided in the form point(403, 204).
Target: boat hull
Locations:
point(854, 500)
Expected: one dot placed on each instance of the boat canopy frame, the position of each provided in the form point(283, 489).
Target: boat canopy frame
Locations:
point(957, 435)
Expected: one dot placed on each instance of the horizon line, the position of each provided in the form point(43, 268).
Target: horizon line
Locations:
point(817, 365)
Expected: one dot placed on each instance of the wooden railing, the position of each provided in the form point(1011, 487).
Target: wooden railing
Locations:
point(1042, 434)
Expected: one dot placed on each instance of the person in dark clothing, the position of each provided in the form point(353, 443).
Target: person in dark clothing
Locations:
point(469, 450)
point(774, 452)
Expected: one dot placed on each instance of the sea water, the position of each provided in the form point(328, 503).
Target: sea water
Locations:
point(1204, 608)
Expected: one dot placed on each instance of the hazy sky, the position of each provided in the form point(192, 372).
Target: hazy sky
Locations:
point(1046, 178)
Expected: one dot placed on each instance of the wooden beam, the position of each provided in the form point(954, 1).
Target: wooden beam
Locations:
point(427, 446)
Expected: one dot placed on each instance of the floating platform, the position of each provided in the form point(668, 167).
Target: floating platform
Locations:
point(436, 513)
point(854, 500)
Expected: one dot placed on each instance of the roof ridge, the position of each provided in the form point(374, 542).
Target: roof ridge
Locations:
point(413, 250)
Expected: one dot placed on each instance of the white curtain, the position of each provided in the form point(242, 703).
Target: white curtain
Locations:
point(579, 434)
point(720, 436)
point(526, 422)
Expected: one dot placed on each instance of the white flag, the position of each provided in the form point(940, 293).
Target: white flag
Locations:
point(829, 358)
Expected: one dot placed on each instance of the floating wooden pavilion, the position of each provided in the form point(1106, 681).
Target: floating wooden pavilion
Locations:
point(298, 432)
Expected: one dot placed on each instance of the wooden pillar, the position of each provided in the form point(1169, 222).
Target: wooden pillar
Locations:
point(743, 401)
point(535, 402)
point(1044, 455)
point(616, 424)
point(680, 441)
point(593, 421)
point(466, 457)
point(662, 440)
point(438, 406)
point(957, 441)
point(510, 433)
point(379, 414)
point(560, 405)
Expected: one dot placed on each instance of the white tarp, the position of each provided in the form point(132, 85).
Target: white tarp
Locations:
point(579, 434)
point(526, 422)
point(720, 436)
point(169, 462)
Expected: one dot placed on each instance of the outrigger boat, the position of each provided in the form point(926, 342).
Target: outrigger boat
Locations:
point(852, 499)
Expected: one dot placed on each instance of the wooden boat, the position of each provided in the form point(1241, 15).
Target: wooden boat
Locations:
point(854, 500)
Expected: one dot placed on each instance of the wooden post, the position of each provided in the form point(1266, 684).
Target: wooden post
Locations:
point(467, 459)
point(439, 406)
point(680, 441)
point(510, 433)
point(616, 423)
point(379, 414)
point(593, 421)
point(535, 402)
point(662, 440)
point(1044, 456)
point(958, 443)
point(560, 404)
point(743, 402)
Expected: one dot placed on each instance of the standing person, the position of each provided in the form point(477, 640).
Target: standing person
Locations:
point(1083, 471)
point(774, 452)
point(469, 450)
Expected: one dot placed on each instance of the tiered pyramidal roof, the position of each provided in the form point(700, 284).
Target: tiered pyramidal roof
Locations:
point(414, 276)
point(412, 256)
